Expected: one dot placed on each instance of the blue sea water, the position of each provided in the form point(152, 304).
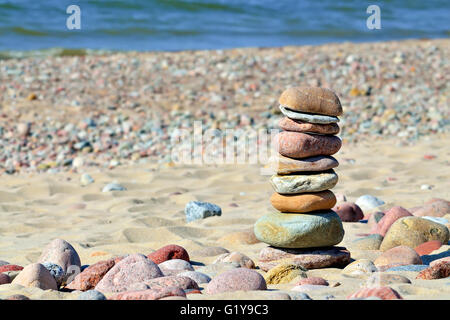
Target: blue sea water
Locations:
point(213, 24)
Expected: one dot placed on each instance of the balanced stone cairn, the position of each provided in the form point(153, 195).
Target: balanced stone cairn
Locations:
point(304, 175)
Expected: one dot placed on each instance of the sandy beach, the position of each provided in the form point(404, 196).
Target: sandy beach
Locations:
point(111, 117)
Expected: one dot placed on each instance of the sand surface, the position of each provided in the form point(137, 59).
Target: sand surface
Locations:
point(37, 208)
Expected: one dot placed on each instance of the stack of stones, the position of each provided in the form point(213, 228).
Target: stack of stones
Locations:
point(304, 175)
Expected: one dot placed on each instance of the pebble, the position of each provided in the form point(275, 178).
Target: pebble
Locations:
point(397, 256)
point(92, 275)
point(174, 266)
point(304, 202)
point(311, 100)
point(56, 271)
point(311, 258)
point(285, 165)
point(303, 145)
point(113, 187)
point(91, 295)
point(198, 277)
point(171, 251)
point(380, 279)
point(196, 210)
point(348, 211)
point(299, 126)
point(135, 268)
point(4, 279)
point(439, 270)
point(294, 184)
point(428, 247)
point(389, 218)
point(434, 262)
point(149, 294)
point(293, 230)
point(318, 281)
point(384, 293)
point(10, 267)
point(359, 267)
point(306, 117)
point(61, 253)
point(240, 258)
point(86, 179)
point(413, 231)
point(368, 202)
point(285, 272)
point(36, 275)
point(371, 242)
point(235, 280)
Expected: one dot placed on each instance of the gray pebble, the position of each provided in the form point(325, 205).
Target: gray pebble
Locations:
point(195, 210)
point(308, 117)
point(91, 295)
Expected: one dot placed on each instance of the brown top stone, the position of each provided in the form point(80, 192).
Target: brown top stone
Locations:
point(312, 100)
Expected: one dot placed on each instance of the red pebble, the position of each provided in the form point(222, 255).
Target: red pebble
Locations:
point(428, 247)
point(429, 156)
point(171, 251)
point(437, 271)
point(384, 293)
point(10, 267)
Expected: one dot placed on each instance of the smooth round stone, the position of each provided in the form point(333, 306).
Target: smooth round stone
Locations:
point(323, 228)
point(368, 202)
point(135, 268)
point(36, 275)
point(379, 279)
point(171, 251)
point(410, 267)
point(235, 280)
point(284, 165)
point(61, 253)
point(174, 266)
point(113, 187)
point(307, 117)
point(91, 295)
point(397, 256)
point(348, 211)
point(318, 281)
point(171, 281)
point(242, 259)
point(312, 100)
point(413, 231)
point(301, 126)
point(4, 278)
point(315, 258)
point(285, 272)
point(304, 202)
point(305, 182)
point(304, 145)
point(359, 267)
